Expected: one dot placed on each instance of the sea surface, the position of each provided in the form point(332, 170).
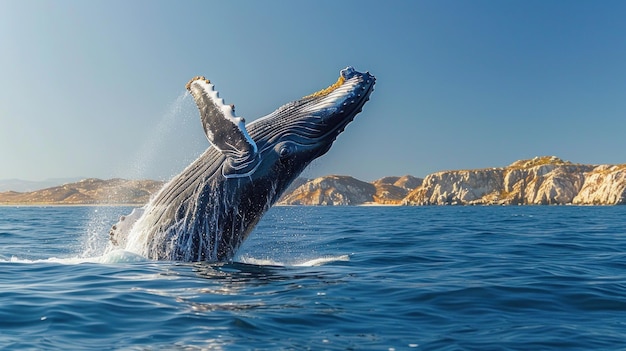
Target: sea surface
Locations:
point(324, 278)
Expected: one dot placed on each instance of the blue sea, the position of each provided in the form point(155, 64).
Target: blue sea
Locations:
point(324, 278)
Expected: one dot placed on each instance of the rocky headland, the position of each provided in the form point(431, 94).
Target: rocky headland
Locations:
point(337, 190)
point(544, 180)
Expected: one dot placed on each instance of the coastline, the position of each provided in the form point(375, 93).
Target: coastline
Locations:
point(545, 180)
point(68, 205)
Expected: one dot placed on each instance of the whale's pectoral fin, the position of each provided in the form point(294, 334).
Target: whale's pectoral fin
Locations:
point(118, 235)
point(224, 130)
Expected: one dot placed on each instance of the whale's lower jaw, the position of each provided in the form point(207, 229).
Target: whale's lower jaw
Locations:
point(208, 210)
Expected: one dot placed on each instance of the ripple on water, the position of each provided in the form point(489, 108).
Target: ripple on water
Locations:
point(547, 278)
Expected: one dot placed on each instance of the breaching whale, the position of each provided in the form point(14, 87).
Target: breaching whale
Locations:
point(208, 210)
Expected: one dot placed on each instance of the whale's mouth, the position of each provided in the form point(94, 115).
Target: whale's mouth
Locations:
point(352, 87)
point(317, 119)
point(337, 105)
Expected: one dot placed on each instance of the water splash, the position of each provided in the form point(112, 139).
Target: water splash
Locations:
point(113, 257)
point(96, 239)
point(181, 112)
point(96, 232)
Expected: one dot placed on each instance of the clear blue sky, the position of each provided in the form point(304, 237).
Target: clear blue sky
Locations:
point(95, 88)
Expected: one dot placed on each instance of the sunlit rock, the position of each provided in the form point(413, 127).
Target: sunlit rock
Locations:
point(605, 184)
point(539, 181)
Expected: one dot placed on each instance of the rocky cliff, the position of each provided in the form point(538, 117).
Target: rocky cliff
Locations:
point(337, 190)
point(331, 190)
point(605, 185)
point(392, 190)
point(539, 181)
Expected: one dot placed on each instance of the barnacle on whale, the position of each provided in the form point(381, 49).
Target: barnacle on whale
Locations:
point(328, 90)
point(188, 85)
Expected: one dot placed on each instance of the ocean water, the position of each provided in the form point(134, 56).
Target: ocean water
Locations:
point(324, 278)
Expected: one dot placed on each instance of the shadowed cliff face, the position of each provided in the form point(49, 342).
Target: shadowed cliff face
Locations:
point(539, 181)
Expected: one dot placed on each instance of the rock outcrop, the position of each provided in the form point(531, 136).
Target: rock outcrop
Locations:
point(331, 190)
point(392, 190)
point(87, 191)
point(335, 190)
point(539, 181)
point(408, 182)
point(605, 185)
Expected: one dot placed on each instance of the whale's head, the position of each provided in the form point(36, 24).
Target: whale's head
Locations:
point(207, 211)
point(296, 133)
point(273, 150)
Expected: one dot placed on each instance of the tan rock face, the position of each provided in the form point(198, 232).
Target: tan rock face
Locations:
point(408, 182)
point(331, 190)
point(456, 187)
point(344, 190)
point(539, 181)
point(603, 185)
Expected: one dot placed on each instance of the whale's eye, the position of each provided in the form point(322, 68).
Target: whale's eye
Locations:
point(286, 150)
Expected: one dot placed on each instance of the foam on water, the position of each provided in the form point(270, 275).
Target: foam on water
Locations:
point(306, 263)
point(123, 256)
point(113, 257)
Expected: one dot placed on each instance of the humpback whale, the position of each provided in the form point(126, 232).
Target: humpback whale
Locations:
point(207, 211)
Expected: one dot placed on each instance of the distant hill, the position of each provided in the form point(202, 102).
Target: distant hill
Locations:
point(29, 185)
point(337, 190)
point(87, 191)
